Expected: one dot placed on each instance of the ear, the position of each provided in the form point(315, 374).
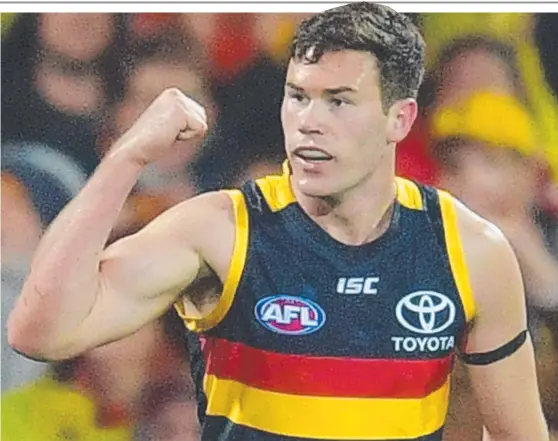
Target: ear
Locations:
point(401, 117)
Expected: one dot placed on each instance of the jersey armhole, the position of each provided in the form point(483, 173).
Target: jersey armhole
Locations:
point(234, 275)
point(456, 254)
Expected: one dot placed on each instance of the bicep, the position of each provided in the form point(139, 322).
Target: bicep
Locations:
point(505, 387)
point(497, 286)
point(507, 395)
point(143, 274)
point(140, 279)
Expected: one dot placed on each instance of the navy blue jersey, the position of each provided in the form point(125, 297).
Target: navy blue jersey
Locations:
point(316, 339)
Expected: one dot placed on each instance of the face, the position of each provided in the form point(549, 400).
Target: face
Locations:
point(149, 80)
point(492, 181)
point(336, 132)
point(80, 36)
point(470, 71)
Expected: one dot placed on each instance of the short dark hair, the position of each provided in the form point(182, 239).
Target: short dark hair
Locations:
point(391, 37)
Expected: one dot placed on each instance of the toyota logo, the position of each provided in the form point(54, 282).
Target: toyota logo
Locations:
point(425, 312)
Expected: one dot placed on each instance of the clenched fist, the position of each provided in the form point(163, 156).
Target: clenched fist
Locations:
point(170, 117)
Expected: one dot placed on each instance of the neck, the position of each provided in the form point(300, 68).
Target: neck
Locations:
point(360, 214)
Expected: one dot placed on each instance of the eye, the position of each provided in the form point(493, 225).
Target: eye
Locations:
point(338, 102)
point(297, 96)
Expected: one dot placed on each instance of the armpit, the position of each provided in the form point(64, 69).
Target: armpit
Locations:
point(200, 298)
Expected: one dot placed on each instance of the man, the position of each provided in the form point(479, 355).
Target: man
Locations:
point(343, 291)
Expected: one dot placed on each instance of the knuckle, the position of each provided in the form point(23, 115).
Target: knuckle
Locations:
point(203, 111)
point(173, 92)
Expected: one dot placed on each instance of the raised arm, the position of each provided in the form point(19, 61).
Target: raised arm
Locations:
point(499, 353)
point(80, 294)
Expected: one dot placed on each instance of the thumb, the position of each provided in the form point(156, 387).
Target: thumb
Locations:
point(190, 132)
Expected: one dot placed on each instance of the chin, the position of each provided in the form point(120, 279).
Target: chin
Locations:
point(316, 186)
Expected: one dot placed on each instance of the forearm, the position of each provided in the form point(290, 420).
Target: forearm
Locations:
point(64, 279)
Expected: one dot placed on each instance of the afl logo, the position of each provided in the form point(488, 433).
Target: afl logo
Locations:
point(289, 315)
point(425, 312)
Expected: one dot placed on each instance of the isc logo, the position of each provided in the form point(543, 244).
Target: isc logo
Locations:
point(290, 315)
point(357, 285)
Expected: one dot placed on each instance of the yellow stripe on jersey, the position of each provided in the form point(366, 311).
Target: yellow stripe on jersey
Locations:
point(233, 277)
point(408, 194)
point(278, 193)
point(456, 254)
point(277, 189)
point(326, 417)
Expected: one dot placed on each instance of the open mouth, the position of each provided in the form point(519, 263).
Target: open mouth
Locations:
point(312, 154)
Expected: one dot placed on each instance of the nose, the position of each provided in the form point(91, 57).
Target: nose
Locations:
point(312, 120)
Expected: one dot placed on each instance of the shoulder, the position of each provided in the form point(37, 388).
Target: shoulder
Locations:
point(482, 240)
point(219, 201)
point(207, 221)
point(493, 269)
point(207, 209)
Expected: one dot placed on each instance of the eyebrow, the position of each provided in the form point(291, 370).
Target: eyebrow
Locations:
point(333, 91)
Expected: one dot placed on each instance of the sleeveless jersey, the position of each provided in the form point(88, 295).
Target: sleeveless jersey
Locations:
point(313, 339)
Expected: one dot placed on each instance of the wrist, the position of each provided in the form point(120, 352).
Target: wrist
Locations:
point(124, 156)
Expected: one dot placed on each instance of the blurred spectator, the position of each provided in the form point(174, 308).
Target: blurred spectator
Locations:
point(49, 410)
point(150, 68)
point(274, 33)
point(487, 143)
point(168, 413)
point(228, 40)
point(52, 178)
point(478, 94)
point(487, 150)
point(247, 86)
point(37, 182)
point(473, 64)
point(21, 224)
point(461, 67)
point(95, 396)
point(56, 92)
point(21, 230)
point(522, 33)
point(476, 63)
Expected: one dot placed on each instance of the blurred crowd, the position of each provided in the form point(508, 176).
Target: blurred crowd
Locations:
point(73, 83)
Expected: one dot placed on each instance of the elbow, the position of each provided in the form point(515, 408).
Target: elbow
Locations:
point(32, 329)
point(23, 343)
point(28, 340)
point(32, 349)
point(23, 331)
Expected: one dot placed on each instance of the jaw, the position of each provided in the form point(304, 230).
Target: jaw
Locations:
point(314, 179)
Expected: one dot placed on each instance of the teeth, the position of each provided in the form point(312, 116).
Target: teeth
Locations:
point(313, 154)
